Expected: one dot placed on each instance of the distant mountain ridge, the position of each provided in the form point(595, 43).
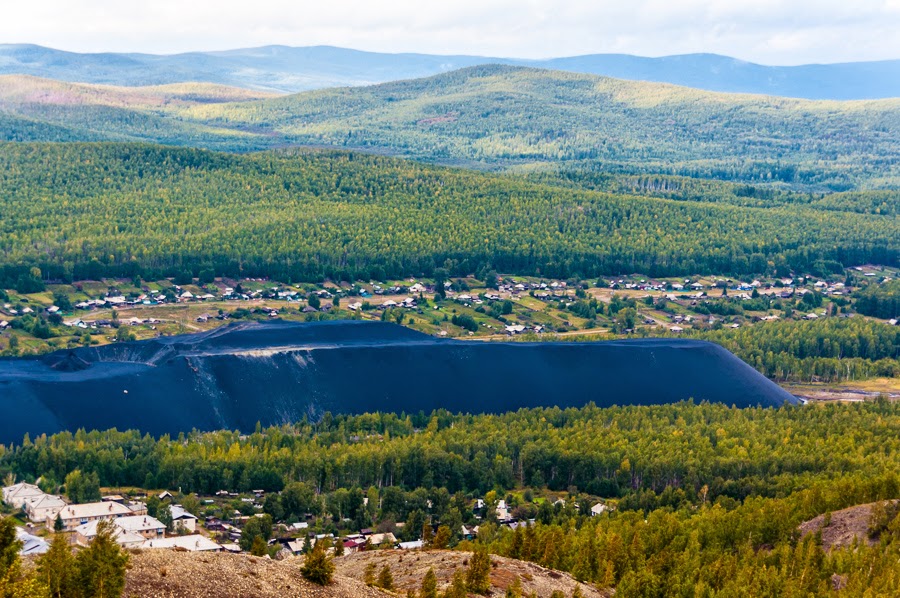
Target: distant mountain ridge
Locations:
point(473, 117)
point(291, 69)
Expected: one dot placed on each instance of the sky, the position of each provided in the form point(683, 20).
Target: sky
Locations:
point(777, 32)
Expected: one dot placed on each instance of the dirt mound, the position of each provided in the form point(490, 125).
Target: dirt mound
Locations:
point(171, 574)
point(408, 568)
point(845, 526)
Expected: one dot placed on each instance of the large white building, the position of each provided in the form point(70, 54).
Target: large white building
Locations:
point(74, 515)
point(43, 507)
point(17, 494)
point(85, 534)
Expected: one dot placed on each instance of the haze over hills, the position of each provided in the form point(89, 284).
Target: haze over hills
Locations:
point(494, 117)
point(292, 69)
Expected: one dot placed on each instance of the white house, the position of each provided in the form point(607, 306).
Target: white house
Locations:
point(74, 515)
point(193, 543)
point(17, 494)
point(183, 519)
point(598, 509)
point(85, 534)
point(40, 508)
point(148, 527)
point(31, 544)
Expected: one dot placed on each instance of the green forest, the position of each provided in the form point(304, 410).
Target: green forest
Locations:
point(828, 350)
point(494, 117)
point(707, 498)
point(82, 211)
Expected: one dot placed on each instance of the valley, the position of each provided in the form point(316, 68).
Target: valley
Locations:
point(319, 322)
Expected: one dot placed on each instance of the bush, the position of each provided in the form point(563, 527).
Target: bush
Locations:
point(318, 567)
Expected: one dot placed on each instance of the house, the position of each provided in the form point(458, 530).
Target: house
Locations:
point(85, 534)
point(469, 533)
point(16, 495)
point(379, 539)
point(352, 545)
point(192, 543)
point(74, 515)
point(183, 519)
point(296, 546)
point(39, 508)
point(214, 524)
point(598, 509)
point(146, 526)
point(415, 545)
point(31, 545)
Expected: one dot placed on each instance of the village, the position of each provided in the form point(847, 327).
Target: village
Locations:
point(99, 312)
point(156, 522)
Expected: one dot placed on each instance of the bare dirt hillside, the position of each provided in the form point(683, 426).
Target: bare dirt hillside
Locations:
point(171, 574)
point(846, 525)
point(409, 567)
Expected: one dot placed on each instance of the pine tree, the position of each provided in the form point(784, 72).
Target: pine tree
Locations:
point(429, 585)
point(515, 588)
point(58, 524)
point(457, 587)
point(386, 578)
point(9, 547)
point(259, 548)
point(442, 538)
point(478, 576)
point(101, 567)
point(369, 574)
point(318, 567)
point(56, 568)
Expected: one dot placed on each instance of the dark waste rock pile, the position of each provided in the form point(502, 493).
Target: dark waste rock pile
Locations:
point(279, 372)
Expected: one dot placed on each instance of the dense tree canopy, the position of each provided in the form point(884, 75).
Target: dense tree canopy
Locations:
point(85, 211)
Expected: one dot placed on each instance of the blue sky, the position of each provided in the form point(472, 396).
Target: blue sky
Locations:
point(766, 31)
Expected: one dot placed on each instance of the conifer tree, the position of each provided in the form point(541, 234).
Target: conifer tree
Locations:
point(56, 568)
point(442, 538)
point(429, 585)
point(318, 567)
point(386, 578)
point(478, 576)
point(101, 567)
point(369, 574)
point(457, 587)
point(515, 588)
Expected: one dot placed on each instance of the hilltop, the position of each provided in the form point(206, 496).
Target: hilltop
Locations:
point(171, 574)
point(495, 116)
point(293, 69)
point(409, 567)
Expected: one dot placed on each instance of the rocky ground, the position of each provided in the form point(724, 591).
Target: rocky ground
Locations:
point(846, 525)
point(409, 567)
point(171, 574)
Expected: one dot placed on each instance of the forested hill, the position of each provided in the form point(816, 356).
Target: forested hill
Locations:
point(291, 69)
point(502, 117)
point(499, 115)
point(87, 210)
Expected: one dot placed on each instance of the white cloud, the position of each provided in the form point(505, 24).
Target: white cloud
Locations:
point(768, 31)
